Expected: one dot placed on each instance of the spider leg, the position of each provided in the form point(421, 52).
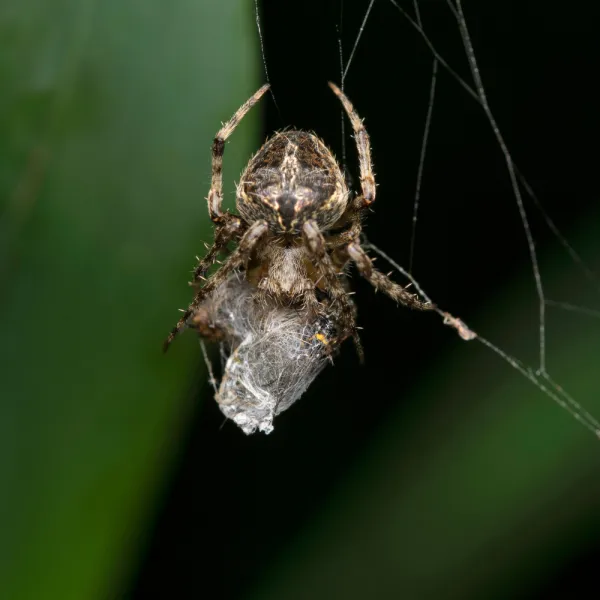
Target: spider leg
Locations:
point(352, 233)
point(382, 282)
point(248, 244)
point(341, 303)
point(363, 145)
point(215, 195)
point(231, 229)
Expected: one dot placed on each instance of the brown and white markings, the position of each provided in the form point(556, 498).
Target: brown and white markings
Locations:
point(296, 233)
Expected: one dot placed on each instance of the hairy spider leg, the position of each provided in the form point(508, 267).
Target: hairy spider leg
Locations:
point(228, 227)
point(215, 194)
point(363, 145)
point(382, 282)
point(367, 181)
point(248, 244)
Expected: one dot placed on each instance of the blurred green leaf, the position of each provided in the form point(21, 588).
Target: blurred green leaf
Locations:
point(107, 113)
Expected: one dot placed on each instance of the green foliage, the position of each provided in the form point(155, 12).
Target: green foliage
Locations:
point(107, 112)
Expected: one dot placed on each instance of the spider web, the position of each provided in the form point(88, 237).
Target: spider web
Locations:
point(538, 375)
point(525, 199)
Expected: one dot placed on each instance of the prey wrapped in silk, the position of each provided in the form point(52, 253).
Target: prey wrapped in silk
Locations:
point(271, 353)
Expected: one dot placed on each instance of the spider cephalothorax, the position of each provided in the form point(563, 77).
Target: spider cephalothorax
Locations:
point(296, 232)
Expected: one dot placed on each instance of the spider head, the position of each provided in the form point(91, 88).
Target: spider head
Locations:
point(292, 179)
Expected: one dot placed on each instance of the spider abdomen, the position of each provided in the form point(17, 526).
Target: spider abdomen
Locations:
point(293, 178)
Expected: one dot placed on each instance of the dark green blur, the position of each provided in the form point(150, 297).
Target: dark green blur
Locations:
point(107, 111)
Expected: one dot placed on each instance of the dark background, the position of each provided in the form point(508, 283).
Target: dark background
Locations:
point(240, 502)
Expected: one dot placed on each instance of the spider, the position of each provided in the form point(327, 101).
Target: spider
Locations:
point(297, 229)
